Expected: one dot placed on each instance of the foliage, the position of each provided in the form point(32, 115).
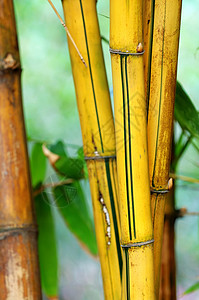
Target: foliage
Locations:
point(192, 288)
point(68, 199)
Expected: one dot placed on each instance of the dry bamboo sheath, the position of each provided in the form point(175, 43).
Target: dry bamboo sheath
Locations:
point(161, 33)
point(19, 273)
point(98, 136)
point(126, 47)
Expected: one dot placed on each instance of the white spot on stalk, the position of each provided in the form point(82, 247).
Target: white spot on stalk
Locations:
point(96, 153)
point(107, 218)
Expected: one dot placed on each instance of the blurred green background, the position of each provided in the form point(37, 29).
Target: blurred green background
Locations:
point(51, 114)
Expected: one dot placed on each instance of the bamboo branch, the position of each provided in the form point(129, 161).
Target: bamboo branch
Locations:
point(183, 212)
point(184, 178)
point(52, 185)
point(67, 31)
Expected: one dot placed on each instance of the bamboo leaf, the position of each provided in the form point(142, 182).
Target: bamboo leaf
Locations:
point(185, 112)
point(58, 148)
point(72, 205)
point(63, 164)
point(37, 164)
point(47, 246)
point(70, 167)
point(192, 288)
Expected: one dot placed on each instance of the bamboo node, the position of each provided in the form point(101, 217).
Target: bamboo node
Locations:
point(116, 51)
point(97, 156)
point(9, 62)
point(140, 244)
point(159, 191)
point(9, 231)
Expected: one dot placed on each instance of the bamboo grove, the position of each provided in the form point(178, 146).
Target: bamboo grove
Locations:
point(144, 77)
point(128, 155)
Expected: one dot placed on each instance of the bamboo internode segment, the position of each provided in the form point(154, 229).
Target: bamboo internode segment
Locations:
point(165, 19)
point(168, 266)
point(131, 147)
point(98, 136)
point(19, 271)
point(161, 35)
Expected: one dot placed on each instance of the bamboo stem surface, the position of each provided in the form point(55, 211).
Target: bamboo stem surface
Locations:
point(161, 34)
point(98, 135)
point(19, 270)
point(126, 47)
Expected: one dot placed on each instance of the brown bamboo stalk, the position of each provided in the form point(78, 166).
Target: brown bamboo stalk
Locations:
point(168, 266)
point(19, 271)
point(161, 32)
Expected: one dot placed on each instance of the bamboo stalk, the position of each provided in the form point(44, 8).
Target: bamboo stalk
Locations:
point(98, 136)
point(161, 31)
point(168, 266)
point(19, 271)
point(126, 47)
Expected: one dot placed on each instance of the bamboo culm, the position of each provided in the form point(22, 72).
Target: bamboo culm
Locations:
point(98, 135)
point(126, 47)
point(161, 35)
point(19, 269)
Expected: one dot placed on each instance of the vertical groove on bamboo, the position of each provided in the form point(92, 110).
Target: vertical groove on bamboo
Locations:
point(126, 47)
point(19, 270)
point(98, 135)
point(161, 34)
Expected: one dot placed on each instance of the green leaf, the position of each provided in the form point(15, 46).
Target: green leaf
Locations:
point(192, 288)
point(185, 112)
point(72, 205)
point(37, 165)
point(58, 148)
point(70, 167)
point(65, 165)
point(47, 245)
point(80, 154)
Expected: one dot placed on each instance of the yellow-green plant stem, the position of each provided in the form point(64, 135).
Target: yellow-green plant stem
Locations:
point(126, 47)
point(161, 34)
point(98, 136)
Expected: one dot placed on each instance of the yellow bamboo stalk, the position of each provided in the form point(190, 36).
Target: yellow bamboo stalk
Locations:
point(98, 136)
point(19, 270)
point(126, 47)
point(161, 34)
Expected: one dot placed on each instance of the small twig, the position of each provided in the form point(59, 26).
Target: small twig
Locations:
point(52, 185)
point(192, 213)
point(184, 178)
point(183, 212)
point(67, 31)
